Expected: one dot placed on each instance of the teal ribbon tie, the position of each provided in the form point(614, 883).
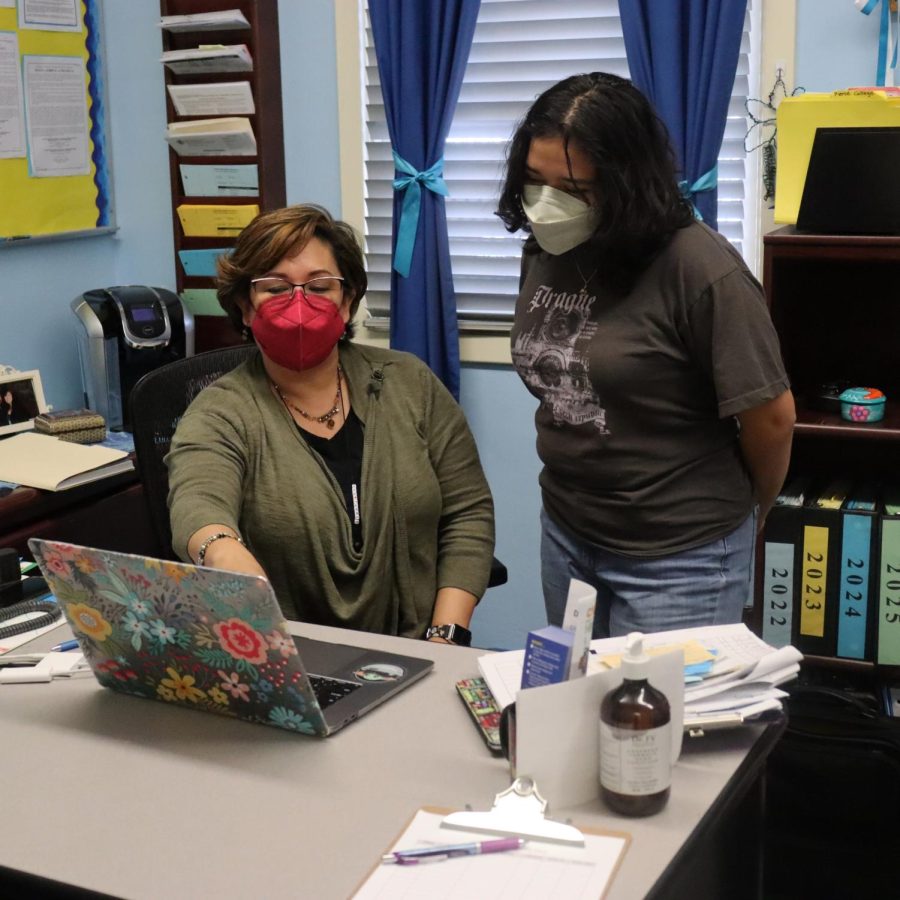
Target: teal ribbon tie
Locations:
point(884, 30)
point(412, 182)
point(709, 181)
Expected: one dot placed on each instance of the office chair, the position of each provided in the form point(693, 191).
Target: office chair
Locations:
point(157, 402)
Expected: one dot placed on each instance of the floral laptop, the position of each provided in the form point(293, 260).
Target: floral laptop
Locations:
point(213, 641)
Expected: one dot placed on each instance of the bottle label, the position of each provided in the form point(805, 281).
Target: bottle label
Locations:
point(635, 763)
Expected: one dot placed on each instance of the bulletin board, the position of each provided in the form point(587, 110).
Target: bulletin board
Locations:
point(55, 178)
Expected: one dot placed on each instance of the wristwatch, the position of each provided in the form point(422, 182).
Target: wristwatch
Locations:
point(456, 634)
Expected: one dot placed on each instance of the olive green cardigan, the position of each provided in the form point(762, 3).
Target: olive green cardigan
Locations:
point(237, 459)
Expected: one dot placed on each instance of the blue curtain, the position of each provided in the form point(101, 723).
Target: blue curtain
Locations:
point(683, 55)
point(422, 48)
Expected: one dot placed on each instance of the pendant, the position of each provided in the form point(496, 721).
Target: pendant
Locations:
point(330, 423)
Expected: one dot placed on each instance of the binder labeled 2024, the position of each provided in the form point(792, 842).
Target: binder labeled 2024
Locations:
point(858, 581)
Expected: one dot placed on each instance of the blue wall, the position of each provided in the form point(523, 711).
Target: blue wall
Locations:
point(836, 47)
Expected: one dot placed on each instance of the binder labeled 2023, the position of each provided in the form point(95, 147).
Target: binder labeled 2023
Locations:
point(817, 600)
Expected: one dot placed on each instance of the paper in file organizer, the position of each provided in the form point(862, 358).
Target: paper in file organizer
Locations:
point(215, 220)
point(220, 180)
point(743, 682)
point(219, 20)
point(224, 98)
point(229, 136)
point(208, 59)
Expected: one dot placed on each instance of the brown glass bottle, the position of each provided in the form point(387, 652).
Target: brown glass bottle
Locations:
point(635, 740)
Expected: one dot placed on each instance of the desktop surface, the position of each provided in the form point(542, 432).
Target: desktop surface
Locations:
point(136, 799)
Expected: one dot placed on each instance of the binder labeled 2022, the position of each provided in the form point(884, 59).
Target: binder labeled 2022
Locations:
point(817, 599)
point(781, 565)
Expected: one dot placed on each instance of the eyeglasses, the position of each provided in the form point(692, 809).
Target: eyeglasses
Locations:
point(270, 288)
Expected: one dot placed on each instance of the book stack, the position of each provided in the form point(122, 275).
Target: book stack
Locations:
point(731, 675)
point(831, 561)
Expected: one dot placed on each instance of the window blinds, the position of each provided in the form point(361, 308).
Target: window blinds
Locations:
point(520, 48)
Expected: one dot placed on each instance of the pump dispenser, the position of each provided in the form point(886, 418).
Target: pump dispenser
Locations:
point(635, 739)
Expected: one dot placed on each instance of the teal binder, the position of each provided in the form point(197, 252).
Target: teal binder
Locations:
point(857, 584)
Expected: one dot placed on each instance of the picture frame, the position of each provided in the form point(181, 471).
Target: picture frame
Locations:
point(21, 399)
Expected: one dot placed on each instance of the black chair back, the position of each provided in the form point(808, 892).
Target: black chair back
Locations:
point(157, 403)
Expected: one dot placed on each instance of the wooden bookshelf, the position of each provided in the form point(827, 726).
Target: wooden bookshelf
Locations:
point(833, 302)
point(262, 40)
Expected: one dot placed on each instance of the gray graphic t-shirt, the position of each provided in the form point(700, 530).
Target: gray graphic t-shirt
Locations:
point(638, 394)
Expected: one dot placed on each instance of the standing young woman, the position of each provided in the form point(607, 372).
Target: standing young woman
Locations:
point(345, 474)
point(665, 416)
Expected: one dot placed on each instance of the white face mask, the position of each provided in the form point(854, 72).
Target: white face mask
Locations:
point(559, 221)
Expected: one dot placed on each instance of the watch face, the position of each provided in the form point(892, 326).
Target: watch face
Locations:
point(454, 633)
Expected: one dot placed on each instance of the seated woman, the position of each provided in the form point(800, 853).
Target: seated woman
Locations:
point(345, 474)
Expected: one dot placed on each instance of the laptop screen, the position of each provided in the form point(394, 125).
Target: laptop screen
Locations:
point(852, 183)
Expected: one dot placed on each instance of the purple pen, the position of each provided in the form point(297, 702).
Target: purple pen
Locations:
point(447, 851)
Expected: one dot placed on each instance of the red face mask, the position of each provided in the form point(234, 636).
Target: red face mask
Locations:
point(298, 332)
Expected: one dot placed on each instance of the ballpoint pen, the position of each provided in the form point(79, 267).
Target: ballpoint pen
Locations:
point(447, 851)
point(65, 645)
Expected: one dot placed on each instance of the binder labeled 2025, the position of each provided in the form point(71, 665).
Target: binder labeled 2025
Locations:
point(817, 600)
point(858, 583)
point(888, 627)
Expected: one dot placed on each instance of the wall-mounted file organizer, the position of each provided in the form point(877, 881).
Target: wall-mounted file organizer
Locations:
point(222, 71)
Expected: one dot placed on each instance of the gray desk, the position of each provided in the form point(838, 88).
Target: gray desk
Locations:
point(139, 800)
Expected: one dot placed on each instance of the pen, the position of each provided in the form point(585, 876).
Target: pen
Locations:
point(447, 851)
point(65, 645)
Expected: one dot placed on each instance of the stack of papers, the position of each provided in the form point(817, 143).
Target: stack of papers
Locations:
point(231, 136)
point(731, 675)
point(209, 58)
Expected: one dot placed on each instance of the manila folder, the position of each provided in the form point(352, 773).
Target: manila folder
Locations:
point(44, 461)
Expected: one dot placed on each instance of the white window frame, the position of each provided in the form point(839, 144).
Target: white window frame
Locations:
point(773, 26)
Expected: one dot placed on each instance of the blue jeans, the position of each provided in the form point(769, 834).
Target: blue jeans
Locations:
point(706, 585)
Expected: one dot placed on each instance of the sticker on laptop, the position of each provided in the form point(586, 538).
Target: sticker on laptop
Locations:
point(380, 672)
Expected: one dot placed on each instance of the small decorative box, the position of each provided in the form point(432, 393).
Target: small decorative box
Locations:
point(862, 405)
point(81, 426)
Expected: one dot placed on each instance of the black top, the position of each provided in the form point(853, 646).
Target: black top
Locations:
point(343, 455)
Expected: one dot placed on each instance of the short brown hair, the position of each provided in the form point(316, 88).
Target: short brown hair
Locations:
point(285, 232)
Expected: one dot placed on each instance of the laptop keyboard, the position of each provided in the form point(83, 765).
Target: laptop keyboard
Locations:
point(330, 690)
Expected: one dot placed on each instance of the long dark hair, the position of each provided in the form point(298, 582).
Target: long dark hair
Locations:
point(636, 192)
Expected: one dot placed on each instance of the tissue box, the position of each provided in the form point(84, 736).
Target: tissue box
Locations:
point(862, 405)
point(80, 426)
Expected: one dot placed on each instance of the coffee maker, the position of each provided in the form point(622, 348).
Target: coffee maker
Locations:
point(125, 332)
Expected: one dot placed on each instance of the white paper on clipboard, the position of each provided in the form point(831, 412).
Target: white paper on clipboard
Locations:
point(536, 871)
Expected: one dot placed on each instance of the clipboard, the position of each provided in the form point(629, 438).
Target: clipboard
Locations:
point(583, 865)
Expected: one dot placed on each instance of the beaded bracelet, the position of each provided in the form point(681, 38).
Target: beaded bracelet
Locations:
point(201, 553)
